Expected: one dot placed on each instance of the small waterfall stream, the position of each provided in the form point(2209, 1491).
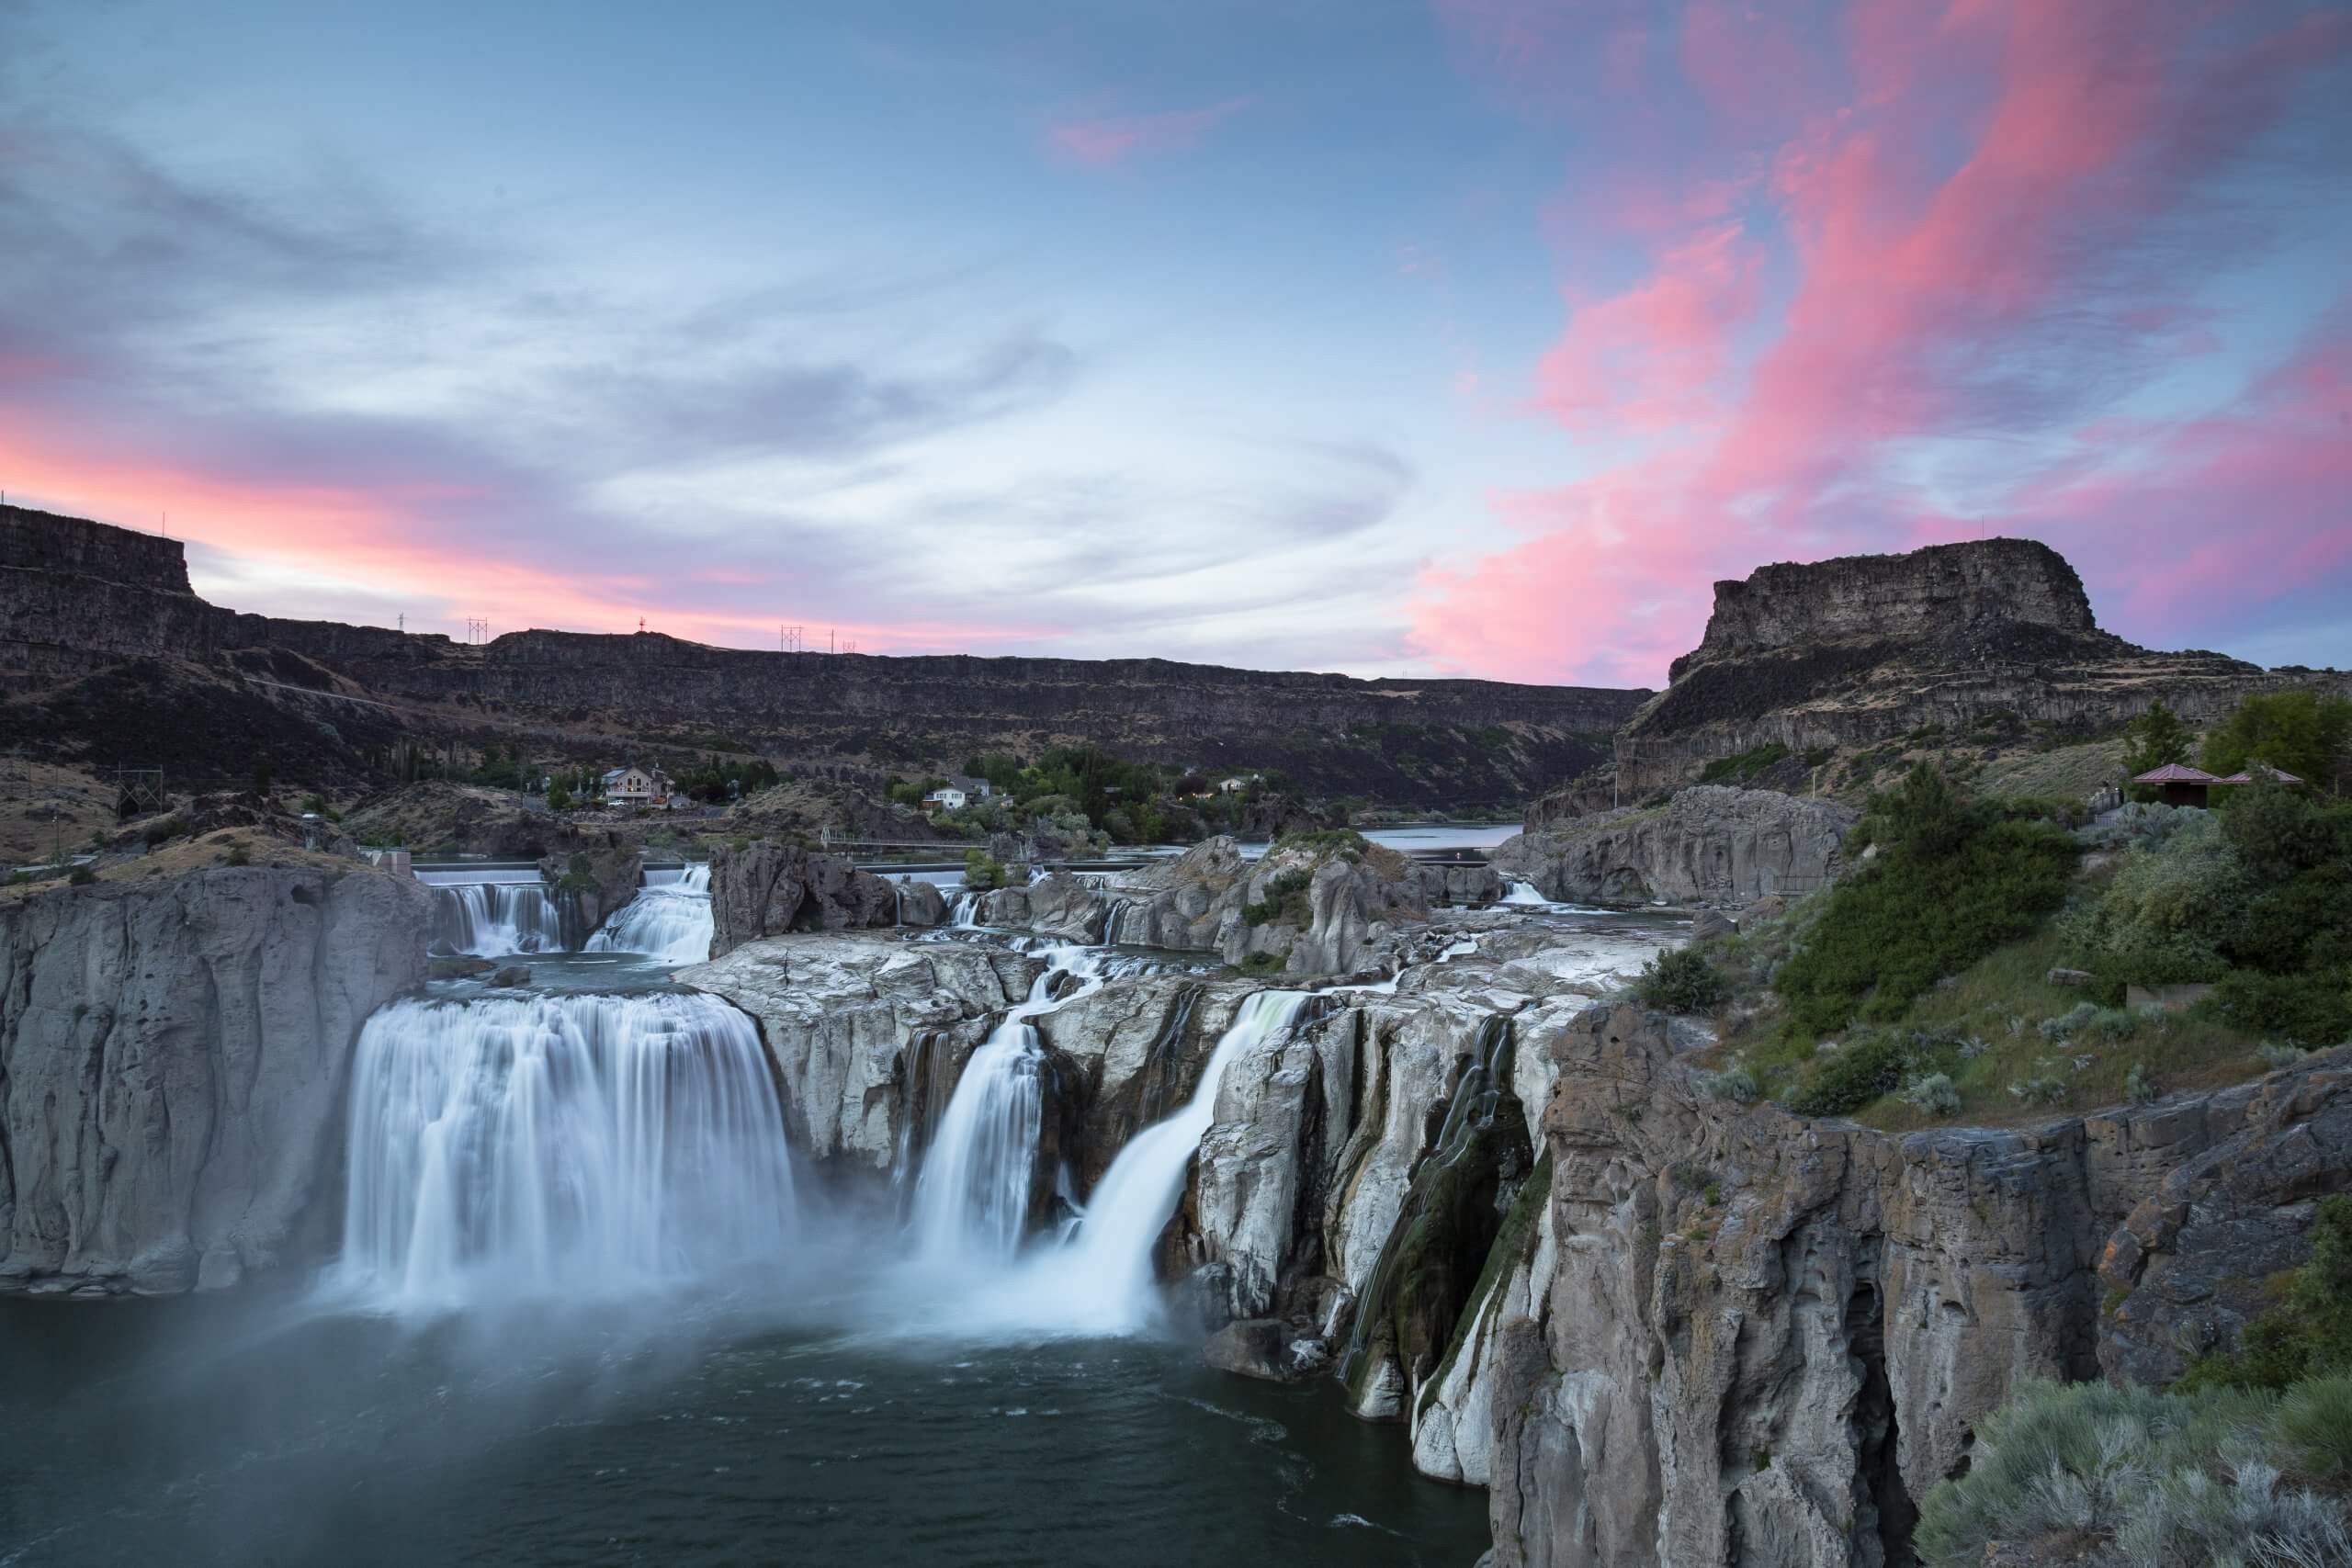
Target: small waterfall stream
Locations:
point(972, 1194)
point(491, 919)
point(560, 1146)
point(669, 919)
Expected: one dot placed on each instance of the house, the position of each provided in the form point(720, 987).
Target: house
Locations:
point(973, 789)
point(2178, 784)
point(947, 797)
point(1235, 785)
point(636, 786)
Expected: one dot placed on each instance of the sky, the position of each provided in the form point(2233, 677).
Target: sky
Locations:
point(1472, 337)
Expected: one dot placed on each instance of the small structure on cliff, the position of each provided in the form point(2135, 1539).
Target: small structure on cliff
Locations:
point(2180, 785)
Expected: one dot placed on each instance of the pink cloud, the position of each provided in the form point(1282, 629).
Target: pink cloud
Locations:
point(1104, 142)
point(1990, 214)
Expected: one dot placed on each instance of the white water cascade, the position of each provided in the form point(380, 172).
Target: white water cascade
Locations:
point(491, 919)
point(1100, 1280)
point(560, 1146)
point(967, 911)
point(972, 1195)
point(669, 919)
point(1525, 893)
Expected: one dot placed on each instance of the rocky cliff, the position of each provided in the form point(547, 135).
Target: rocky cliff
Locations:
point(765, 889)
point(172, 1065)
point(1863, 649)
point(1708, 844)
point(79, 598)
point(1756, 1338)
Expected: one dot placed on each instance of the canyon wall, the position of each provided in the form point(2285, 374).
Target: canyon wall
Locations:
point(1759, 1339)
point(76, 597)
point(173, 1056)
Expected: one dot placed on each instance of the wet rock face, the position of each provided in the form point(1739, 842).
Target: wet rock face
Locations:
point(1709, 844)
point(172, 1057)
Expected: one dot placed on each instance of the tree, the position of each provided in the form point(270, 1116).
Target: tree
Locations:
point(2303, 732)
point(558, 797)
point(2153, 739)
point(261, 776)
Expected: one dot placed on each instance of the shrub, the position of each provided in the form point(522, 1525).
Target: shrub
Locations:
point(238, 855)
point(1953, 880)
point(1735, 1084)
point(2043, 1088)
point(82, 876)
point(2166, 1478)
point(2162, 919)
point(1745, 766)
point(317, 803)
point(1931, 1094)
point(2309, 1009)
point(1282, 901)
point(983, 871)
point(1681, 980)
point(2139, 1089)
point(2314, 1426)
point(1262, 964)
point(1870, 1063)
point(2276, 1056)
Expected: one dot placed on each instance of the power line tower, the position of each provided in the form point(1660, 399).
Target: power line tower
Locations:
point(476, 629)
point(143, 787)
point(788, 638)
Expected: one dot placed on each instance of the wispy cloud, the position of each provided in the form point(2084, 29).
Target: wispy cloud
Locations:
point(1103, 142)
point(1938, 246)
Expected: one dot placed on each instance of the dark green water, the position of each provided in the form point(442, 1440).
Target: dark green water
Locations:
point(245, 1431)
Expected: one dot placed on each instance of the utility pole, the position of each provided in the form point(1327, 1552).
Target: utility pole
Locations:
point(476, 629)
point(830, 647)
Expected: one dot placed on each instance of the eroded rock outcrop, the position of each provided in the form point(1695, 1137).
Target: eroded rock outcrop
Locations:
point(765, 889)
point(1863, 649)
point(1708, 844)
point(172, 1057)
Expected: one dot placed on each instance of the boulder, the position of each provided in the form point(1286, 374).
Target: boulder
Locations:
point(765, 889)
point(1265, 1348)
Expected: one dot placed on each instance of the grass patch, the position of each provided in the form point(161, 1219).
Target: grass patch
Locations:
point(1745, 766)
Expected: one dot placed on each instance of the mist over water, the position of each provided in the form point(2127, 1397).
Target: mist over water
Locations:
point(583, 1311)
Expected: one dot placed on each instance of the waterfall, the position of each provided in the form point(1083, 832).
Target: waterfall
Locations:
point(669, 919)
point(556, 1145)
point(972, 1196)
point(968, 910)
point(490, 919)
point(1525, 893)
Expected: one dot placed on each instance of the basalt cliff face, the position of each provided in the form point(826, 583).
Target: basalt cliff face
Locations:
point(1756, 1338)
point(172, 1057)
point(1864, 649)
point(1708, 844)
point(79, 600)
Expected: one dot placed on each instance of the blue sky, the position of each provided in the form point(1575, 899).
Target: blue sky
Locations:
point(1475, 338)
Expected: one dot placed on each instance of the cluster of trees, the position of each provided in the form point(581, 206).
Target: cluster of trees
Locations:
point(2303, 733)
point(1083, 789)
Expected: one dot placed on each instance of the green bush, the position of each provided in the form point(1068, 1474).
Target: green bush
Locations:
point(983, 871)
point(239, 855)
point(2163, 918)
point(1745, 766)
point(1282, 901)
point(2311, 1010)
point(1870, 1063)
point(82, 876)
point(1953, 879)
point(1931, 1094)
point(2315, 1425)
point(1681, 980)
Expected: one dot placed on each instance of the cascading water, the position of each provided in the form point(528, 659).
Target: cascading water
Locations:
point(1525, 893)
point(967, 911)
point(972, 1196)
point(491, 919)
point(560, 1146)
point(1099, 1281)
point(670, 919)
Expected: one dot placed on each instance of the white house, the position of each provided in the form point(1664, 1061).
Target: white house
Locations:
point(1236, 785)
point(945, 798)
point(636, 786)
